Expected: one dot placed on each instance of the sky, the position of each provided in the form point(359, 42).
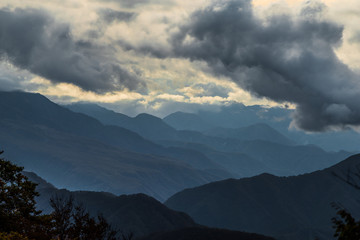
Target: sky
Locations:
point(162, 56)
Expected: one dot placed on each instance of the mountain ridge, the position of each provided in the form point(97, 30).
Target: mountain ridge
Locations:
point(137, 213)
point(76, 151)
point(237, 151)
point(295, 207)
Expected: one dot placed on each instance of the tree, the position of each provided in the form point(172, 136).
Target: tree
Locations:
point(17, 201)
point(72, 221)
point(19, 219)
point(12, 236)
point(346, 227)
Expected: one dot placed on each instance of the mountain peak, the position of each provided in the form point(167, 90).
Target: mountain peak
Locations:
point(147, 116)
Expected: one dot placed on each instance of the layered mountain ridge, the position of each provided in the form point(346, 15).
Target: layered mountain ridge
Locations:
point(244, 152)
point(75, 151)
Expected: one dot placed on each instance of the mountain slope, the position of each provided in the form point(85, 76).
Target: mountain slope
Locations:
point(239, 164)
point(137, 213)
point(260, 131)
point(146, 125)
point(75, 151)
point(202, 233)
point(286, 208)
point(152, 128)
point(245, 151)
point(237, 116)
point(237, 156)
point(187, 121)
point(80, 163)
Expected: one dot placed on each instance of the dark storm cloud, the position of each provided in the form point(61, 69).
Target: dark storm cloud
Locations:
point(285, 59)
point(31, 40)
point(110, 15)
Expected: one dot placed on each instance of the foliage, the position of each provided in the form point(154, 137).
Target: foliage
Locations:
point(346, 227)
point(71, 221)
point(17, 203)
point(12, 236)
point(19, 219)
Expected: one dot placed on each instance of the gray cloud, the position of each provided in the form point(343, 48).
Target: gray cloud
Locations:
point(7, 84)
point(110, 15)
point(285, 59)
point(135, 107)
point(30, 39)
point(355, 38)
point(211, 89)
point(135, 3)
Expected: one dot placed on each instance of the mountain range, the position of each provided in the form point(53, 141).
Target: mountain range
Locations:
point(204, 233)
point(141, 154)
point(243, 152)
point(77, 152)
point(242, 177)
point(237, 115)
point(297, 207)
point(139, 214)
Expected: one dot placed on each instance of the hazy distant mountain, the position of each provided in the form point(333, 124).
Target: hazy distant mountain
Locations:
point(249, 158)
point(238, 115)
point(240, 164)
point(284, 207)
point(137, 213)
point(245, 151)
point(187, 121)
point(230, 148)
point(259, 131)
point(154, 128)
point(75, 151)
point(203, 233)
point(146, 125)
point(235, 115)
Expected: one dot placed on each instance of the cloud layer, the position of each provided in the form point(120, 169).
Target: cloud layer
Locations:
point(168, 52)
point(30, 39)
point(284, 58)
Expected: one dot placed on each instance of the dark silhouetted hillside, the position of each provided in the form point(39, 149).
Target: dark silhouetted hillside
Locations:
point(284, 207)
point(137, 213)
point(203, 233)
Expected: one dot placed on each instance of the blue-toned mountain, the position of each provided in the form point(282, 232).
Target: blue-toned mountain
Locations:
point(298, 207)
point(76, 151)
